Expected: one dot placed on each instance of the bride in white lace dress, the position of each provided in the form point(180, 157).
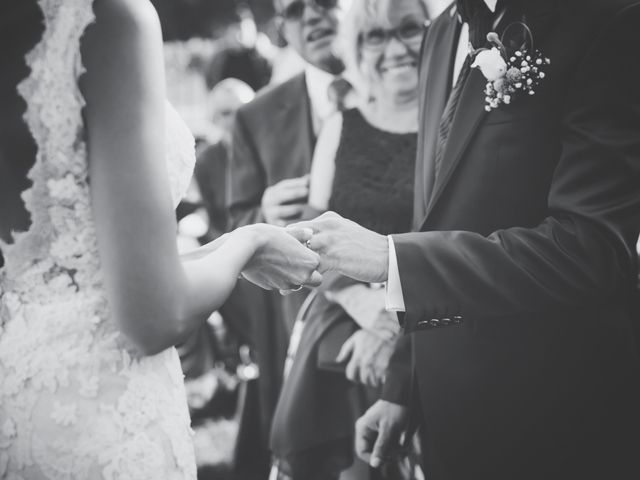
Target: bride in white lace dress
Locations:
point(93, 293)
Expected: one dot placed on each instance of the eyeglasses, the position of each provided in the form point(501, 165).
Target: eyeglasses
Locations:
point(407, 33)
point(295, 10)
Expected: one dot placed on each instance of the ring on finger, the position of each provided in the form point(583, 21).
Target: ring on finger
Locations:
point(308, 244)
point(297, 289)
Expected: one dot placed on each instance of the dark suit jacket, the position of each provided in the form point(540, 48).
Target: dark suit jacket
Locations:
point(518, 284)
point(272, 140)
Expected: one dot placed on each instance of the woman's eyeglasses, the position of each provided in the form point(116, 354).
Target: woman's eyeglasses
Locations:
point(295, 10)
point(407, 33)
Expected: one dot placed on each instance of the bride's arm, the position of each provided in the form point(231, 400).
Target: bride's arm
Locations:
point(155, 297)
point(323, 165)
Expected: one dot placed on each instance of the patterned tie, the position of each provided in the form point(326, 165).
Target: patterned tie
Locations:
point(338, 91)
point(480, 20)
point(449, 113)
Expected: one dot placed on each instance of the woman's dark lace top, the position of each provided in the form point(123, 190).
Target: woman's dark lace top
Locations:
point(373, 183)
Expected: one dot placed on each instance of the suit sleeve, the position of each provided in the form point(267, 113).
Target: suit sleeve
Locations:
point(246, 181)
point(583, 253)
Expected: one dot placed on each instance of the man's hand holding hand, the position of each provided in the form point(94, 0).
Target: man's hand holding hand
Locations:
point(347, 248)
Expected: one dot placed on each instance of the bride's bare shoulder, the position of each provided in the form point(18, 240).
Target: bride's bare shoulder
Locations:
point(122, 49)
point(136, 15)
point(123, 23)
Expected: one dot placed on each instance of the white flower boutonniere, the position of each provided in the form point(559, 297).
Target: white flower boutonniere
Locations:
point(509, 74)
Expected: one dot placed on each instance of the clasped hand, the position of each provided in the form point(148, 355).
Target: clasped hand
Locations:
point(368, 351)
point(281, 260)
point(347, 248)
point(380, 432)
point(367, 356)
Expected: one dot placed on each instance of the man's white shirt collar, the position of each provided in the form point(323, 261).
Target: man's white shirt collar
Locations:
point(492, 5)
point(318, 82)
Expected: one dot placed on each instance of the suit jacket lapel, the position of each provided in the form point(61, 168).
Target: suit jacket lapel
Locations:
point(468, 116)
point(435, 84)
point(296, 139)
point(541, 17)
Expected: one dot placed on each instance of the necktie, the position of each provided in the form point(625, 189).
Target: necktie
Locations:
point(480, 20)
point(447, 116)
point(337, 92)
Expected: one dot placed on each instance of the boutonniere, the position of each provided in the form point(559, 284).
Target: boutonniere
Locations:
point(511, 65)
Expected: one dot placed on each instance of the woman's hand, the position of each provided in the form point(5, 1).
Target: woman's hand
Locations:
point(281, 261)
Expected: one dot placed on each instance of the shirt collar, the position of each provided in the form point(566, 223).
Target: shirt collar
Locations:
point(491, 4)
point(318, 82)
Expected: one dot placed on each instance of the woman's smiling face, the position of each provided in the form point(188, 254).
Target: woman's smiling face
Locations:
point(389, 51)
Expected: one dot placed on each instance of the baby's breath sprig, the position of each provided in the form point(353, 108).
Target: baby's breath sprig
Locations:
point(509, 75)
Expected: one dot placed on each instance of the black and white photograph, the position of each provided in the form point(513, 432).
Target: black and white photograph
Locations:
point(319, 240)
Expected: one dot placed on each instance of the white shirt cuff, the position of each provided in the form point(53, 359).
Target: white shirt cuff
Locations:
point(394, 301)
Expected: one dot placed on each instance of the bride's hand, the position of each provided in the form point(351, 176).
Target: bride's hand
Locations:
point(281, 260)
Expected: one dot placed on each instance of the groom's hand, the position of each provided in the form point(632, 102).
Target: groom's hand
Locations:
point(347, 248)
point(379, 432)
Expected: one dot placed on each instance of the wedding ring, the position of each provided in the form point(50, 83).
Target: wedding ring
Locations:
point(308, 244)
point(298, 288)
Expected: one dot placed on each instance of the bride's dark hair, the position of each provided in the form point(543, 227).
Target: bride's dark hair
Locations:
point(21, 26)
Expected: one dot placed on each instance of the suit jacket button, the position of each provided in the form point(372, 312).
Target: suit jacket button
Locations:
point(446, 322)
point(423, 324)
point(457, 320)
point(434, 322)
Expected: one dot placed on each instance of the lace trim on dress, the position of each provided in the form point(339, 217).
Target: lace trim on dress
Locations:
point(57, 200)
point(74, 401)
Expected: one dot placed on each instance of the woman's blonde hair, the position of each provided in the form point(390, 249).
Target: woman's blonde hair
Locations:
point(363, 15)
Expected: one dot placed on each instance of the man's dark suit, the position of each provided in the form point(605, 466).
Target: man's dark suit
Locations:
point(518, 284)
point(273, 140)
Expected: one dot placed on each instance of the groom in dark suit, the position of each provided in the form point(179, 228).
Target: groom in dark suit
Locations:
point(517, 286)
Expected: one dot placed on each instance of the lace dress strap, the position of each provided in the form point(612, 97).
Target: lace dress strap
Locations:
point(58, 199)
point(76, 400)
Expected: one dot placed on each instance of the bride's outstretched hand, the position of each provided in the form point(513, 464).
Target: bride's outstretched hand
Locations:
point(282, 261)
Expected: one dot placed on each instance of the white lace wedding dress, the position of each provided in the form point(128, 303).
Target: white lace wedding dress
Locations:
point(76, 402)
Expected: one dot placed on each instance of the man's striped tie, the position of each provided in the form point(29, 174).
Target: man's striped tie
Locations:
point(449, 113)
